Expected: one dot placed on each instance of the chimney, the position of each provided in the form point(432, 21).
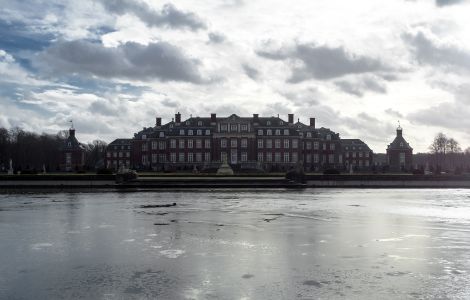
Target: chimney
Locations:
point(213, 118)
point(312, 122)
point(291, 118)
point(158, 122)
point(178, 117)
point(255, 118)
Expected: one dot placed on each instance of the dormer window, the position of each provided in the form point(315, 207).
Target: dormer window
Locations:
point(268, 123)
point(309, 134)
point(281, 123)
point(144, 136)
point(187, 123)
point(328, 137)
point(171, 125)
point(401, 144)
point(162, 134)
point(199, 123)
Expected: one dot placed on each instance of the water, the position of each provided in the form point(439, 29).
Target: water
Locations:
point(232, 244)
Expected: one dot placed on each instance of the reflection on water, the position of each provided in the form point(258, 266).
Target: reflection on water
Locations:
point(232, 244)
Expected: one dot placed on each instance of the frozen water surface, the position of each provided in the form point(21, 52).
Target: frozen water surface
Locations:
point(235, 244)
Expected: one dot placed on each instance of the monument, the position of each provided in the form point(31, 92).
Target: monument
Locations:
point(10, 170)
point(225, 169)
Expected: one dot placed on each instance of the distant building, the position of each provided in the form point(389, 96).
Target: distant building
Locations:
point(72, 153)
point(356, 154)
point(268, 143)
point(399, 153)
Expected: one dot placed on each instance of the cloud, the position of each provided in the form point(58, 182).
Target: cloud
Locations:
point(169, 103)
point(427, 50)
point(132, 61)
point(216, 37)
point(310, 61)
point(441, 3)
point(358, 86)
point(169, 16)
point(393, 113)
point(250, 72)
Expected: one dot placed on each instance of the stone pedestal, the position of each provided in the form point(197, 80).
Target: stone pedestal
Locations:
point(225, 169)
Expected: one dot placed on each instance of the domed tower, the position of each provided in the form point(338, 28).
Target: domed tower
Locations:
point(399, 153)
point(73, 153)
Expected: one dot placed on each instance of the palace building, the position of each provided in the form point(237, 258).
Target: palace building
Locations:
point(399, 153)
point(246, 143)
point(72, 152)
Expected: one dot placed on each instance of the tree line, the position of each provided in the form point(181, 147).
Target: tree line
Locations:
point(445, 155)
point(31, 152)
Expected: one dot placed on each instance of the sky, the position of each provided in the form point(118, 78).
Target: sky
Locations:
point(359, 67)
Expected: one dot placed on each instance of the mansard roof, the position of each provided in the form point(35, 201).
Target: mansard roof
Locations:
point(354, 142)
point(71, 143)
point(399, 143)
point(120, 142)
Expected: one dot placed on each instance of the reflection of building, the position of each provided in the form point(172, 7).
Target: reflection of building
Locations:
point(356, 154)
point(270, 143)
point(399, 153)
point(72, 153)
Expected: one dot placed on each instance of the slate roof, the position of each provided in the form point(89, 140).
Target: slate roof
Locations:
point(399, 143)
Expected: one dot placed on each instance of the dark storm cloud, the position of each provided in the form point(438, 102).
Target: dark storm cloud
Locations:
point(161, 61)
point(250, 72)
point(323, 62)
point(428, 52)
point(441, 3)
point(168, 16)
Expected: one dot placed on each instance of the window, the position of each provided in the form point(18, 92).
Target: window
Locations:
point(346, 154)
point(144, 160)
point(277, 143)
point(268, 123)
point(244, 127)
point(190, 157)
point(162, 158)
point(208, 132)
point(367, 154)
point(198, 144)
point(332, 146)
point(331, 158)
point(144, 147)
point(260, 131)
point(360, 154)
point(114, 154)
point(154, 145)
point(181, 131)
point(223, 143)
point(173, 157)
point(278, 131)
point(286, 144)
point(309, 158)
point(286, 131)
point(233, 127)
point(207, 144)
point(162, 134)
point(277, 157)
point(199, 123)
point(367, 163)
point(269, 132)
point(108, 154)
point(324, 146)
point(328, 137)
point(172, 143)
point(181, 144)
point(295, 157)
point(308, 145)
point(260, 156)
point(402, 158)
point(199, 132)
point(401, 144)
point(244, 157)
point(316, 145)
point(190, 144)
point(316, 158)
point(223, 127)
point(309, 134)
point(295, 144)
point(260, 143)
point(269, 143)
point(269, 157)
point(144, 136)
point(233, 143)
point(281, 123)
point(198, 157)
point(187, 123)
point(120, 154)
point(154, 158)
point(340, 159)
point(190, 132)
point(207, 156)
point(161, 145)
point(354, 154)
point(244, 143)
point(181, 157)
point(286, 157)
